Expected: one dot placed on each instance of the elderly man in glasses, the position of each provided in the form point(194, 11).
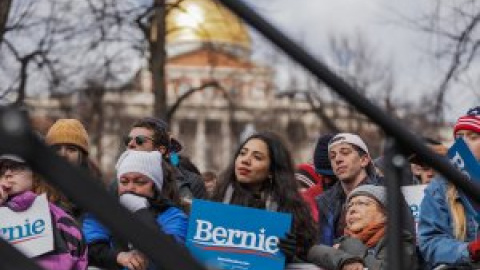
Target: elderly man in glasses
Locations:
point(363, 244)
point(152, 134)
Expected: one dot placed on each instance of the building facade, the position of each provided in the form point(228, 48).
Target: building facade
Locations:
point(209, 50)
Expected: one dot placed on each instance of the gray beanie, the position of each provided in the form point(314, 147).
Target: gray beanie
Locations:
point(146, 163)
point(378, 193)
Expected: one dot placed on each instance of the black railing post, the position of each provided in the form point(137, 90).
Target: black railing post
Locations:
point(12, 259)
point(394, 164)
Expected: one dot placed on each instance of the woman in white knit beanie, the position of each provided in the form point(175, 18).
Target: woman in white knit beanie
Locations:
point(140, 172)
point(140, 181)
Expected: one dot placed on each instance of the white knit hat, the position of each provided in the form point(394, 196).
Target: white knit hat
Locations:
point(146, 163)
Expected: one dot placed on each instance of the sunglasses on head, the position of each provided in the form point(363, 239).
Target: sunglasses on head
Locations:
point(139, 140)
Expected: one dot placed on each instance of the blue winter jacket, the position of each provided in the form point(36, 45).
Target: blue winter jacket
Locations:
point(104, 249)
point(172, 221)
point(435, 228)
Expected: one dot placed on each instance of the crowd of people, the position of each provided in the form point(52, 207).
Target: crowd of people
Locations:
point(337, 200)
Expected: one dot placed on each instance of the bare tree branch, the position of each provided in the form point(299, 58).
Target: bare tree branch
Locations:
point(4, 11)
point(460, 50)
point(320, 112)
point(172, 109)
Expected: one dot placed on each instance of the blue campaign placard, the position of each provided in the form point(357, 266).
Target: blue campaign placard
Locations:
point(463, 159)
point(232, 237)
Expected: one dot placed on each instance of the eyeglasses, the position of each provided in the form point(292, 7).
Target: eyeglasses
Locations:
point(139, 140)
point(359, 203)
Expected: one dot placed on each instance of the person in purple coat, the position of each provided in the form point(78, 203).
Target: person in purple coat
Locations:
point(16, 184)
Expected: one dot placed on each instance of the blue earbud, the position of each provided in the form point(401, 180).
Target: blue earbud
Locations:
point(174, 159)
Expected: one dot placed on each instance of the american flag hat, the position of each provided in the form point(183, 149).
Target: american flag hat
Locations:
point(470, 121)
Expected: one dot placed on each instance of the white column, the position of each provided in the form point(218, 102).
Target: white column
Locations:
point(200, 144)
point(175, 128)
point(226, 142)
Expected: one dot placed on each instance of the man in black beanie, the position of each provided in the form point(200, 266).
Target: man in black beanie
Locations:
point(324, 174)
point(322, 162)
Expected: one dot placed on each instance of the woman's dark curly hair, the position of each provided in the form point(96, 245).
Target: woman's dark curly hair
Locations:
point(282, 187)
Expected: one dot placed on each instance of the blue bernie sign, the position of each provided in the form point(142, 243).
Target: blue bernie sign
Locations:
point(232, 237)
point(463, 159)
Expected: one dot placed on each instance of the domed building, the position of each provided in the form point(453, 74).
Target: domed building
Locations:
point(202, 22)
point(207, 43)
point(208, 49)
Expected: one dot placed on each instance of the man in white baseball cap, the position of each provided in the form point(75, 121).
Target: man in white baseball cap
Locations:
point(348, 138)
point(353, 166)
point(350, 159)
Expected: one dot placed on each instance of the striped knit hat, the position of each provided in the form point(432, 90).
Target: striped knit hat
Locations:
point(306, 174)
point(470, 121)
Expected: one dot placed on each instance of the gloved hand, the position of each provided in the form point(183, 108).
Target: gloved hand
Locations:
point(288, 246)
point(353, 246)
point(474, 250)
point(133, 202)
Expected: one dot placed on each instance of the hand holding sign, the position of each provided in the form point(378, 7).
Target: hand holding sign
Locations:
point(132, 260)
point(289, 247)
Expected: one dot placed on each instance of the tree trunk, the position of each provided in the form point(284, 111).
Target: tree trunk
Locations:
point(22, 86)
point(158, 60)
point(4, 10)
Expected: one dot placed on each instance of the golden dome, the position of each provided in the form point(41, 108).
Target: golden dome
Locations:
point(205, 21)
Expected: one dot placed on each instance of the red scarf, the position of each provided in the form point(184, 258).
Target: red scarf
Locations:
point(370, 235)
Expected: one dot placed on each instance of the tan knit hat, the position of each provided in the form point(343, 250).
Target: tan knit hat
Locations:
point(68, 131)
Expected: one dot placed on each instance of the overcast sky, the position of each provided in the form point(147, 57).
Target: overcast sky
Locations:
point(311, 21)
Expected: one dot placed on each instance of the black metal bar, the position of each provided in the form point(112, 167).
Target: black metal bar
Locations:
point(77, 185)
point(407, 140)
point(394, 164)
point(12, 259)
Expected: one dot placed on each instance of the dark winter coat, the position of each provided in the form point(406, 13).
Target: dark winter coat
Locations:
point(353, 250)
point(330, 205)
